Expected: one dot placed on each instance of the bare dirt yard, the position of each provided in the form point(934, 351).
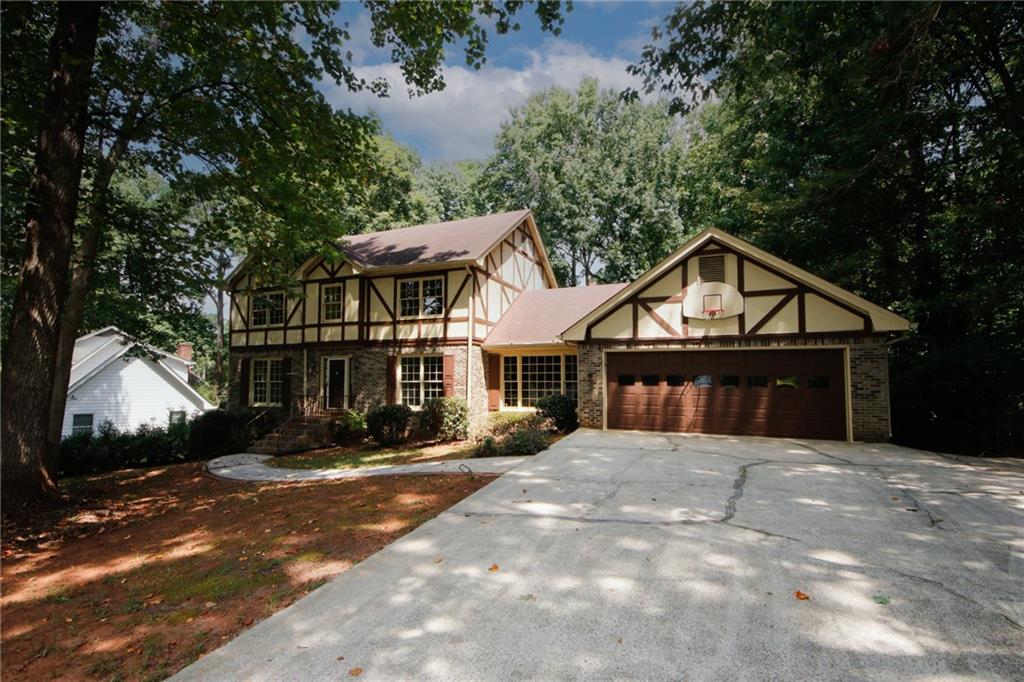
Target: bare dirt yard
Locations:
point(148, 570)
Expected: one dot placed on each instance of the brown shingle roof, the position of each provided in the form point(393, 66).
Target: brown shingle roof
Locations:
point(453, 241)
point(539, 316)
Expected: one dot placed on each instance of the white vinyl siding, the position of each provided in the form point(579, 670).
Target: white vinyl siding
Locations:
point(129, 392)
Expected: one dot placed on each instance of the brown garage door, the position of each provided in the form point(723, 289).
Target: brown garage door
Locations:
point(785, 393)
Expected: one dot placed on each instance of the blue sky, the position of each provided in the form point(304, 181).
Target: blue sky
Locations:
point(598, 39)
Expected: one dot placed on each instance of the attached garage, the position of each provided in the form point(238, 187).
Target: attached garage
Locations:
point(781, 393)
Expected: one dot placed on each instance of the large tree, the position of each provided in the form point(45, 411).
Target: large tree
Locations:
point(52, 202)
point(231, 88)
point(599, 173)
point(881, 145)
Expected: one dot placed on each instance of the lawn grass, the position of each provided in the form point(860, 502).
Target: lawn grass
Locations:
point(142, 571)
point(357, 457)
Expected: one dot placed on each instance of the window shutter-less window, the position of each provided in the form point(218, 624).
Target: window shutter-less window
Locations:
point(493, 381)
point(286, 382)
point(243, 390)
point(389, 380)
point(449, 375)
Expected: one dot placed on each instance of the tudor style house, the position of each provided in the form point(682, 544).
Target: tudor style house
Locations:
point(720, 337)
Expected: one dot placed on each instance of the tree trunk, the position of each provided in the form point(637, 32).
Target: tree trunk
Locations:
point(84, 265)
point(26, 379)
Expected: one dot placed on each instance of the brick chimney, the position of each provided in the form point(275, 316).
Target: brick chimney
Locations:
point(184, 351)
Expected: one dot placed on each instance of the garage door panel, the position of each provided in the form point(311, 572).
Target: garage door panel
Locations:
point(772, 393)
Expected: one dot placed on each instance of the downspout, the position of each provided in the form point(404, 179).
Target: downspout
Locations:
point(470, 329)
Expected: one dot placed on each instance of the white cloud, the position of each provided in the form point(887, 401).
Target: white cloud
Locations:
point(461, 121)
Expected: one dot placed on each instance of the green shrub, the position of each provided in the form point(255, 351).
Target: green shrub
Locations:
point(445, 419)
point(488, 447)
point(561, 410)
point(219, 432)
point(526, 441)
point(388, 424)
point(500, 425)
point(109, 449)
point(349, 427)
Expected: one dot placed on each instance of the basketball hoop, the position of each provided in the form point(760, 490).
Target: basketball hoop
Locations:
point(712, 313)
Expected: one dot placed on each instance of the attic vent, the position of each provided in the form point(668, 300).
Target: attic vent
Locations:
point(712, 268)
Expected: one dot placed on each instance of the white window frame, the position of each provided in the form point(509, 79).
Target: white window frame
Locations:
point(341, 302)
point(76, 430)
point(519, 407)
point(400, 394)
point(420, 297)
point(252, 380)
point(268, 295)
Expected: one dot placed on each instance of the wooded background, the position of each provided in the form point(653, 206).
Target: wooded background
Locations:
point(880, 146)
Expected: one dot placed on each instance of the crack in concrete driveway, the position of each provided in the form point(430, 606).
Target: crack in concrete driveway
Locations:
point(616, 561)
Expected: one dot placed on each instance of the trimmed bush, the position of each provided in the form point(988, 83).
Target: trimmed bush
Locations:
point(109, 449)
point(561, 410)
point(388, 424)
point(350, 427)
point(488, 447)
point(218, 432)
point(445, 419)
point(527, 441)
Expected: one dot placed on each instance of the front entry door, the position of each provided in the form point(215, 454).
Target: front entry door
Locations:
point(335, 383)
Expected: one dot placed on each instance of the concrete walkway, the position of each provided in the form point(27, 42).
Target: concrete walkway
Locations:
point(249, 467)
point(666, 557)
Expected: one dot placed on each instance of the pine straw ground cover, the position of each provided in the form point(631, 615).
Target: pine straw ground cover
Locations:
point(147, 570)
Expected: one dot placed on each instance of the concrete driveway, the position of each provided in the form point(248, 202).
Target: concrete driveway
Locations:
point(667, 557)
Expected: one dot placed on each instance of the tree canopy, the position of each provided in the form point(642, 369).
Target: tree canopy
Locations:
point(887, 154)
point(600, 174)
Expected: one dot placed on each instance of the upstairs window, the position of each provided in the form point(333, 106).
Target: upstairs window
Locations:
point(81, 423)
point(332, 303)
point(176, 417)
point(267, 309)
point(712, 268)
point(421, 297)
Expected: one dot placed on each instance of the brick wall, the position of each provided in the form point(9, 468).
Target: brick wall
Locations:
point(368, 368)
point(869, 378)
point(869, 389)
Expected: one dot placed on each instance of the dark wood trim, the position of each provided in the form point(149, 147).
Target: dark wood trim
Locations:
point(354, 343)
point(755, 342)
point(659, 320)
point(801, 312)
point(455, 298)
point(380, 297)
point(636, 319)
point(758, 293)
point(771, 313)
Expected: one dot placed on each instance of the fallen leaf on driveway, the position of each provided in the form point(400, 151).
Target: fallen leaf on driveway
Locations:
point(895, 499)
point(355, 672)
point(881, 599)
point(528, 597)
point(438, 559)
point(493, 568)
point(801, 596)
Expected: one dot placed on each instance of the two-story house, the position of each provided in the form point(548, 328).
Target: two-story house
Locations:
point(720, 337)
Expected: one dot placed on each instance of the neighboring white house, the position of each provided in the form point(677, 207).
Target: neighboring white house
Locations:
point(128, 383)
